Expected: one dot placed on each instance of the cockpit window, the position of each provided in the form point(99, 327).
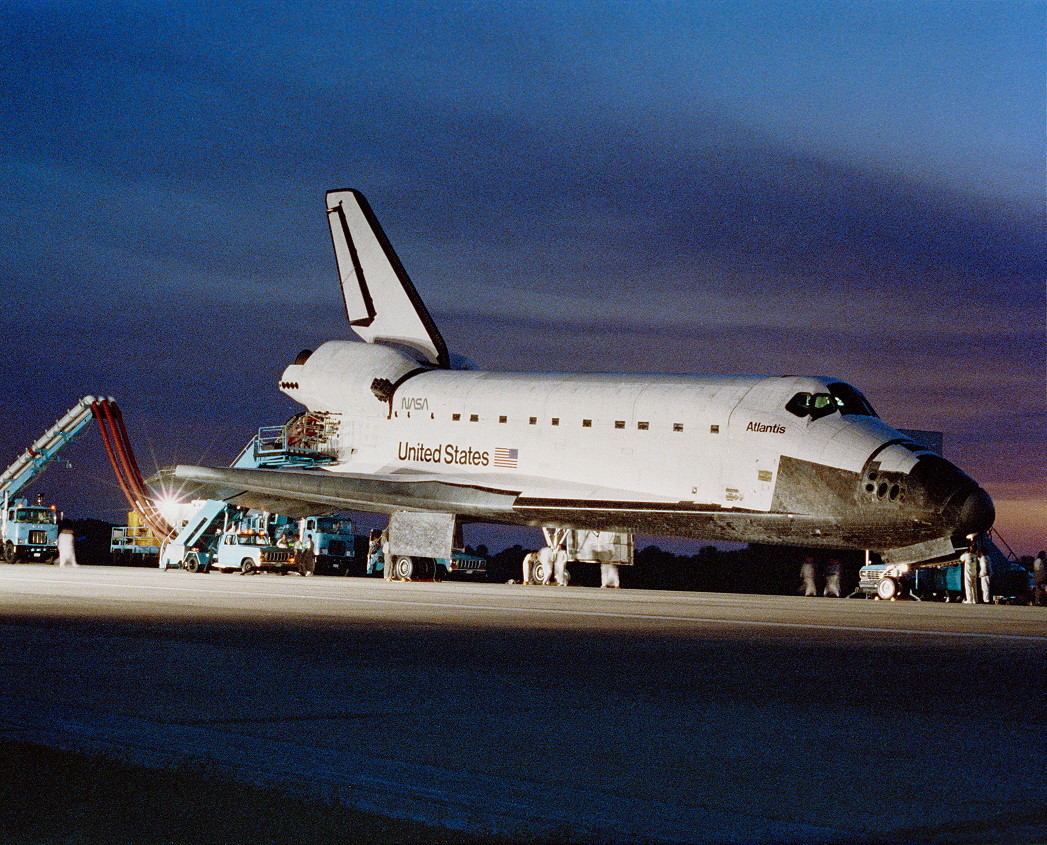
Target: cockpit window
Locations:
point(850, 400)
point(841, 397)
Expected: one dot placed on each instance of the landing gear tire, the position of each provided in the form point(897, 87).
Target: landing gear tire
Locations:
point(247, 567)
point(889, 588)
point(307, 564)
point(538, 573)
point(404, 568)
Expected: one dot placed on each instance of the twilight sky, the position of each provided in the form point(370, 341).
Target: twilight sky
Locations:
point(844, 188)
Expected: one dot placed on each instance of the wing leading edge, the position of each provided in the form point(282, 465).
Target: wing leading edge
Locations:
point(307, 491)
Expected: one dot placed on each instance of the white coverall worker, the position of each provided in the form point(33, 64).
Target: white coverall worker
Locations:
point(560, 566)
point(983, 577)
point(529, 560)
point(832, 579)
point(66, 552)
point(970, 574)
point(810, 588)
point(546, 558)
point(1039, 580)
point(609, 575)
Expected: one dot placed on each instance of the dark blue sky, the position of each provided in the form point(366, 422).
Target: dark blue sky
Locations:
point(853, 189)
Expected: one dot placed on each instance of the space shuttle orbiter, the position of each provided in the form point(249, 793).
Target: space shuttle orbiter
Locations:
point(800, 460)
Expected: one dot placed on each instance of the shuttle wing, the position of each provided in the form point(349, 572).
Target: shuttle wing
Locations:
point(309, 491)
point(380, 300)
point(300, 492)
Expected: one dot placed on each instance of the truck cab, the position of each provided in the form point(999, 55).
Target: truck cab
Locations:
point(330, 540)
point(30, 532)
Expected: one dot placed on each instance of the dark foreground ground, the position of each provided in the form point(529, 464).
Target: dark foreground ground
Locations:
point(49, 796)
point(622, 716)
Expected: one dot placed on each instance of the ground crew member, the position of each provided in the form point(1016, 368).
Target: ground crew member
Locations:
point(970, 571)
point(560, 558)
point(983, 574)
point(387, 559)
point(609, 575)
point(832, 579)
point(530, 560)
point(546, 558)
point(374, 552)
point(1039, 580)
point(810, 587)
point(66, 550)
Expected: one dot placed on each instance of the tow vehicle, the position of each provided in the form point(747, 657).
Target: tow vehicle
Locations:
point(409, 568)
point(225, 538)
point(326, 544)
point(943, 580)
point(248, 552)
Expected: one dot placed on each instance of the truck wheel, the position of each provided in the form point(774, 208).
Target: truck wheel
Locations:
point(10, 552)
point(888, 589)
point(192, 562)
point(404, 568)
point(247, 566)
point(307, 564)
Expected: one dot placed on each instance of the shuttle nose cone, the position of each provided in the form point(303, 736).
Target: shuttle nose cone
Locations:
point(977, 513)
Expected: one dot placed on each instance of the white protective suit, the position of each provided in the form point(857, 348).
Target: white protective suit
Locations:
point(810, 587)
point(546, 557)
point(970, 576)
point(609, 575)
point(66, 552)
point(528, 564)
point(832, 579)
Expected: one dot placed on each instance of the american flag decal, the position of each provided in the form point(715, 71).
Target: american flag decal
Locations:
point(506, 457)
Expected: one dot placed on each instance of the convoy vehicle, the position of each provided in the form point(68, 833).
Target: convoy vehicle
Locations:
point(228, 539)
point(213, 533)
point(943, 581)
point(326, 544)
point(408, 568)
point(29, 532)
point(247, 552)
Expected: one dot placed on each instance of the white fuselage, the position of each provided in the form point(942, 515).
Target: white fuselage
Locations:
point(568, 445)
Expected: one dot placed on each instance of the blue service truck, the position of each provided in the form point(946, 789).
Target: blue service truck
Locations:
point(215, 535)
point(29, 532)
point(326, 544)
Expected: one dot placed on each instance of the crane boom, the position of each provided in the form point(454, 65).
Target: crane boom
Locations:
point(35, 459)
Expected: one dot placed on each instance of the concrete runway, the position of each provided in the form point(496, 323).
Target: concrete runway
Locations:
point(618, 715)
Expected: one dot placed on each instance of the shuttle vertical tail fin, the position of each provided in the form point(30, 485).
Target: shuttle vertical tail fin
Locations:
point(380, 300)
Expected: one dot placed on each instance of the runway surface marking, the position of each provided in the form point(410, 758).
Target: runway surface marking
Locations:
point(1024, 638)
